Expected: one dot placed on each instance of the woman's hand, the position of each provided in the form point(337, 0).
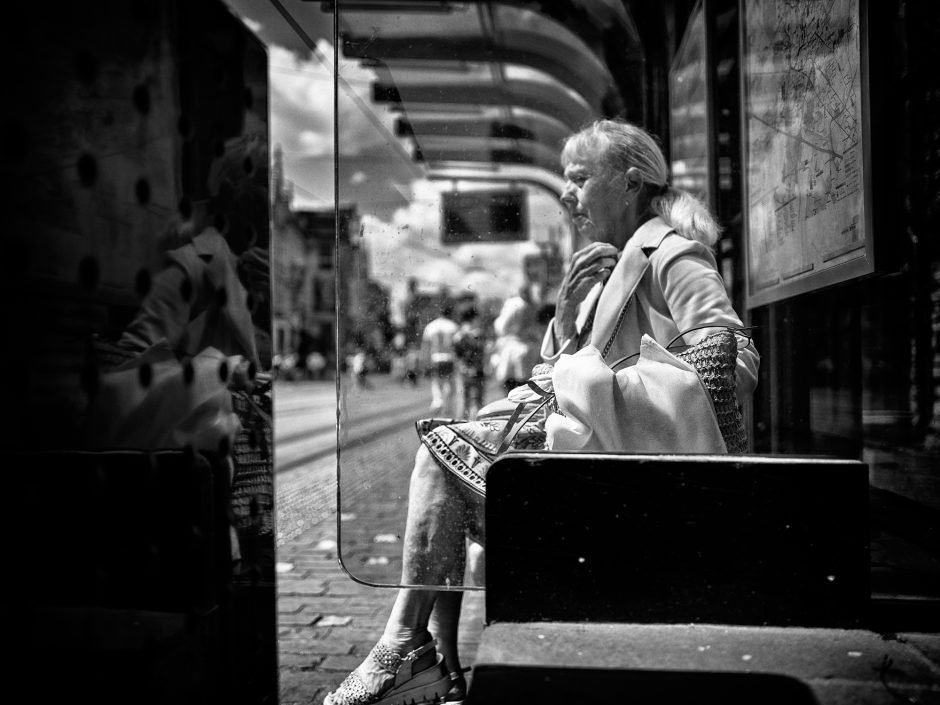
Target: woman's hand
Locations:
point(589, 266)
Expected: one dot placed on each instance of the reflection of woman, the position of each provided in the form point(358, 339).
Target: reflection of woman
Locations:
point(185, 308)
point(649, 246)
point(182, 374)
point(195, 310)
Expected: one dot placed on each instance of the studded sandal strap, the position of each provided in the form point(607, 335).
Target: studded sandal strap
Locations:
point(352, 691)
point(387, 658)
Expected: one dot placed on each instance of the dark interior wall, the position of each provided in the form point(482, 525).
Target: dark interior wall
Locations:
point(134, 127)
point(855, 363)
point(92, 186)
point(851, 370)
point(869, 346)
point(660, 27)
point(129, 129)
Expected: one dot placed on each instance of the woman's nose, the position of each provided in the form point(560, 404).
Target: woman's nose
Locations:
point(567, 195)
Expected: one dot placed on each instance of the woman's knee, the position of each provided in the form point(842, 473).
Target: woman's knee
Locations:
point(434, 500)
point(427, 477)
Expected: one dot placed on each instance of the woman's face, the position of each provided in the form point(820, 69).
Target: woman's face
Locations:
point(596, 200)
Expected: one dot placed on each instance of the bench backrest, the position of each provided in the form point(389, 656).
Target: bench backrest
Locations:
point(746, 540)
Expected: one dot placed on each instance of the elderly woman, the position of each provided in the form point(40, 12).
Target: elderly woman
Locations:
point(647, 272)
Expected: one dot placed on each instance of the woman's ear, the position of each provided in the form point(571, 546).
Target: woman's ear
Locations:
point(633, 181)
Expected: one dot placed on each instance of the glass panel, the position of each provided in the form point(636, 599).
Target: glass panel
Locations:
point(423, 240)
point(447, 177)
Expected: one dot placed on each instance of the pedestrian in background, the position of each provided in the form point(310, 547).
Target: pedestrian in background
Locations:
point(469, 346)
point(316, 363)
point(516, 347)
point(359, 363)
point(412, 364)
point(438, 343)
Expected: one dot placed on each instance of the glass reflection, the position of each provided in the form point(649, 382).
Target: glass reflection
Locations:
point(474, 253)
point(446, 180)
point(446, 183)
point(137, 296)
point(428, 280)
point(419, 336)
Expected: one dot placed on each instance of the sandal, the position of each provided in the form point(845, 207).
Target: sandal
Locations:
point(428, 685)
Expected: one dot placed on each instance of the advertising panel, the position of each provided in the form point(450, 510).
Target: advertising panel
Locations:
point(808, 210)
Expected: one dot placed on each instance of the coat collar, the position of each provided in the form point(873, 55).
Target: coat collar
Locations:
point(626, 276)
point(650, 234)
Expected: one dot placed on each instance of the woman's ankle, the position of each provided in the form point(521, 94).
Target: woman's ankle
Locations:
point(405, 640)
point(451, 660)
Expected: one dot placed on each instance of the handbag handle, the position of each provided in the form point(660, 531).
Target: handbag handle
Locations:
point(505, 437)
point(670, 346)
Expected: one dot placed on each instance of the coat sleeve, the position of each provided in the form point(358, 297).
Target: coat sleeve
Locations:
point(687, 275)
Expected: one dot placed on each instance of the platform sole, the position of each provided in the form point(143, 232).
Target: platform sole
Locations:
point(429, 686)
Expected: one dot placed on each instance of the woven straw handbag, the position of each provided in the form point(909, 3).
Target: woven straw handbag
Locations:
point(715, 359)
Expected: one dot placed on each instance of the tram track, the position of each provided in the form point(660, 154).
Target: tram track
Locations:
point(365, 435)
point(305, 429)
point(331, 427)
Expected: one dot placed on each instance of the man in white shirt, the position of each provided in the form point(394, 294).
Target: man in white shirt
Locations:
point(438, 344)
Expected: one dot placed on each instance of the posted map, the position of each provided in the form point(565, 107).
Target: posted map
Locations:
point(805, 169)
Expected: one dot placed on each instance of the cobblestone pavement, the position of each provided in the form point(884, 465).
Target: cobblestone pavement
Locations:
point(328, 622)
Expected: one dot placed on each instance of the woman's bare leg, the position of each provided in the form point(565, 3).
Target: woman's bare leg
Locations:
point(433, 554)
point(445, 622)
point(434, 546)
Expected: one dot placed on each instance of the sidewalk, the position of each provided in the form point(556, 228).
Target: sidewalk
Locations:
point(327, 623)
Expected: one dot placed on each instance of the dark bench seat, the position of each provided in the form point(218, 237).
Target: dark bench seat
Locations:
point(686, 579)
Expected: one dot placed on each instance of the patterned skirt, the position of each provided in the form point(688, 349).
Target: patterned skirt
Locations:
point(468, 448)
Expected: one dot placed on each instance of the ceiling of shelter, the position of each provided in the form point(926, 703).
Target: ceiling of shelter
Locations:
point(491, 85)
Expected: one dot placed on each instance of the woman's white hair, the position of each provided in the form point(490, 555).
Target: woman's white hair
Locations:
point(622, 145)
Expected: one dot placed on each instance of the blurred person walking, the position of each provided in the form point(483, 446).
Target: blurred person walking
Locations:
point(438, 344)
point(469, 346)
point(359, 364)
point(516, 349)
point(316, 364)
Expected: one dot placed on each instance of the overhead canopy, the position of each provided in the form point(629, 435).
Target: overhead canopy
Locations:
point(479, 84)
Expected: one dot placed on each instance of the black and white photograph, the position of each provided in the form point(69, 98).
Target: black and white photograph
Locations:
point(477, 352)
